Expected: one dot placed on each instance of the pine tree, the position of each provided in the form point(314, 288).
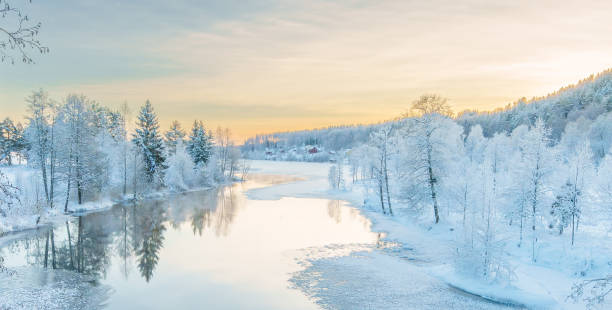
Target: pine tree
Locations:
point(173, 135)
point(199, 146)
point(149, 142)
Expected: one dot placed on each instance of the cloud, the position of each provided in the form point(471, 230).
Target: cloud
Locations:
point(276, 64)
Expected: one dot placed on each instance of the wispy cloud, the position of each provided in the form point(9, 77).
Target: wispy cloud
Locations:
point(319, 62)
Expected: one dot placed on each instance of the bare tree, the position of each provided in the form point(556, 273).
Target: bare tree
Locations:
point(223, 139)
point(430, 104)
point(16, 40)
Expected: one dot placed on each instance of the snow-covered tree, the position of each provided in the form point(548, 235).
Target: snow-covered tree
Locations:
point(88, 132)
point(224, 146)
point(383, 142)
point(9, 194)
point(534, 167)
point(38, 135)
point(12, 141)
point(601, 136)
point(572, 196)
point(173, 136)
point(431, 138)
point(335, 174)
point(200, 144)
point(150, 144)
point(180, 174)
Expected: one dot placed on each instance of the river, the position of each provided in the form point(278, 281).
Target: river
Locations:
point(220, 249)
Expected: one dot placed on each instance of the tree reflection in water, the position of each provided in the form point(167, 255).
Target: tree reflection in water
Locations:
point(150, 227)
point(127, 234)
point(334, 210)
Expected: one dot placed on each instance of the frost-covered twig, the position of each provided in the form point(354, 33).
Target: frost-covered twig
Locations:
point(8, 193)
point(598, 289)
point(21, 37)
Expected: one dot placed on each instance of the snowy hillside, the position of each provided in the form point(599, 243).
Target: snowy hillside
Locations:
point(587, 103)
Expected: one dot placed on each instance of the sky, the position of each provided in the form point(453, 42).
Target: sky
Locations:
point(276, 65)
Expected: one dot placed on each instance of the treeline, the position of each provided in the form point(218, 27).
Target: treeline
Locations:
point(520, 188)
point(83, 151)
point(333, 138)
point(585, 101)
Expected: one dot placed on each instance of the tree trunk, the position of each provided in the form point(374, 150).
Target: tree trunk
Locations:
point(53, 249)
point(70, 246)
point(382, 199)
point(52, 167)
point(387, 187)
point(135, 174)
point(432, 186)
point(43, 168)
point(78, 181)
point(47, 250)
point(124, 170)
point(80, 245)
point(68, 183)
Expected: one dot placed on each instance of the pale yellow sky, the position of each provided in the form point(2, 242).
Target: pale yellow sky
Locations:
point(294, 65)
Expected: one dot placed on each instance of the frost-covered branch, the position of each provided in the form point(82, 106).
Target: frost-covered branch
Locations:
point(598, 289)
point(20, 37)
point(8, 193)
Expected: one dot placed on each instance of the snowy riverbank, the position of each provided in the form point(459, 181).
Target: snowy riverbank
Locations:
point(427, 250)
point(28, 215)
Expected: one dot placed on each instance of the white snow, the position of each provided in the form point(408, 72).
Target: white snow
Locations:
point(375, 279)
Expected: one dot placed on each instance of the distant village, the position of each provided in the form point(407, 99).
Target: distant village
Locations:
point(311, 153)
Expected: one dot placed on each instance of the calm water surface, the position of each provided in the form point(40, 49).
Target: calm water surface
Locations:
point(207, 249)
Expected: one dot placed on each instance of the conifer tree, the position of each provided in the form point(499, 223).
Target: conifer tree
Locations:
point(199, 146)
point(149, 142)
point(8, 140)
point(173, 135)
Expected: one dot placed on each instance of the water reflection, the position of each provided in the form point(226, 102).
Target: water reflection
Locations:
point(334, 211)
point(133, 233)
point(214, 245)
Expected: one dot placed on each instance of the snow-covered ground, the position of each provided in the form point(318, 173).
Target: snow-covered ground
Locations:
point(422, 265)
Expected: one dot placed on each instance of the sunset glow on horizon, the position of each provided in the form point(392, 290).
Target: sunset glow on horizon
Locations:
point(265, 66)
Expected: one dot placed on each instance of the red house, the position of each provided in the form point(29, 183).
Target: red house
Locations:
point(313, 150)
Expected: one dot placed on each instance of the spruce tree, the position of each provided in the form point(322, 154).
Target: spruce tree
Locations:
point(199, 146)
point(149, 142)
point(173, 135)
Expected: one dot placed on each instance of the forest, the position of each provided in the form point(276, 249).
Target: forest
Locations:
point(70, 155)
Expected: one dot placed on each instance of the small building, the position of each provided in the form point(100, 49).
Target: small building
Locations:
point(313, 150)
